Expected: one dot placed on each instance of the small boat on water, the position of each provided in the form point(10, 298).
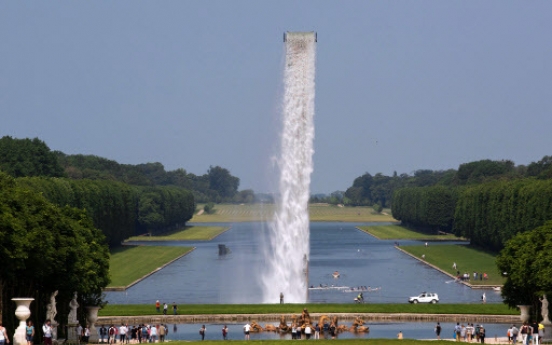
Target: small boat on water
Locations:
point(497, 288)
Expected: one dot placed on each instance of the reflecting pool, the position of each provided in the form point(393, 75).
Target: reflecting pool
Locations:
point(386, 330)
point(204, 276)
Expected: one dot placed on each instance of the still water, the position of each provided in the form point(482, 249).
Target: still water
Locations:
point(205, 277)
point(385, 330)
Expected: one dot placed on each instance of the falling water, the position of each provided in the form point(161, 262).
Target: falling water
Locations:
point(287, 259)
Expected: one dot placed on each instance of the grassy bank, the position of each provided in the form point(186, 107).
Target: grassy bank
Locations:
point(398, 232)
point(127, 264)
point(210, 309)
point(189, 233)
point(318, 213)
point(467, 259)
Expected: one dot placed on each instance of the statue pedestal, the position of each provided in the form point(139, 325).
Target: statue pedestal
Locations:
point(22, 312)
point(73, 336)
point(547, 335)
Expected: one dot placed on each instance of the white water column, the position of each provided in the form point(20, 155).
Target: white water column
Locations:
point(287, 259)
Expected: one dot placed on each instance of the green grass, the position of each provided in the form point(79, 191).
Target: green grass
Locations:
point(317, 212)
point(398, 232)
point(189, 233)
point(468, 259)
point(130, 263)
point(210, 309)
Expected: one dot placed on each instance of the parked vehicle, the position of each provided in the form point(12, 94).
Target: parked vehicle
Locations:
point(425, 297)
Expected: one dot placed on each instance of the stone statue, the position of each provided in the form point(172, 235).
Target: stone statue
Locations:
point(544, 310)
point(73, 305)
point(51, 309)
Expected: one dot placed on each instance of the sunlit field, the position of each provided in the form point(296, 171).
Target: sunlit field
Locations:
point(264, 212)
point(189, 233)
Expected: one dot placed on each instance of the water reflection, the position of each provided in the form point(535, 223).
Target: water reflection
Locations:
point(387, 330)
point(204, 276)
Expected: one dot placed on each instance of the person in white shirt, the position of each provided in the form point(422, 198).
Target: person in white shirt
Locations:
point(246, 330)
point(4, 335)
point(153, 334)
point(122, 333)
point(308, 331)
point(47, 331)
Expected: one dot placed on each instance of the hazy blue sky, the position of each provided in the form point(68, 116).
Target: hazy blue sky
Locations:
point(400, 85)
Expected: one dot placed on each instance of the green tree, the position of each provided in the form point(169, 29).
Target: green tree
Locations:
point(222, 182)
point(28, 157)
point(527, 262)
point(44, 247)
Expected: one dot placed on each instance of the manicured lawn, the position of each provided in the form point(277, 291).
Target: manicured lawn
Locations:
point(318, 213)
point(468, 259)
point(398, 232)
point(209, 309)
point(189, 233)
point(130, 263)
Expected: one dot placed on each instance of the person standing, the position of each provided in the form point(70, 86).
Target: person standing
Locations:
point(246, 330)
point(122, 333)
point(103, 334)
point(457, 330)
point(112, 334)
point(4, 335)
point(224, 332)
point(524, 333)
point(469, 331)
point(165, 308)
point(174, 308)
point(86, 334)
point(535, 333)
point(29, 332)
point(202, 332)
point(515, 333)
point(162, 330)
point(80, 333)
point(281, 298)
point(152, 334)
point(438, 331)
point(47, 331)
point(482, 334)
point(144, 333)
point(293, 332)
point(158, 306)
point(317, 331)
point(308, 331)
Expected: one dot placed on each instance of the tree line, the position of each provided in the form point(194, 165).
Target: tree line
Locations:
point(489, 214)
point(217, 185)
point(118, 209)
point(368, 189)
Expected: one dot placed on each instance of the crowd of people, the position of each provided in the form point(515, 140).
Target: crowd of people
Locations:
point(527, 334)
point(125, 334)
